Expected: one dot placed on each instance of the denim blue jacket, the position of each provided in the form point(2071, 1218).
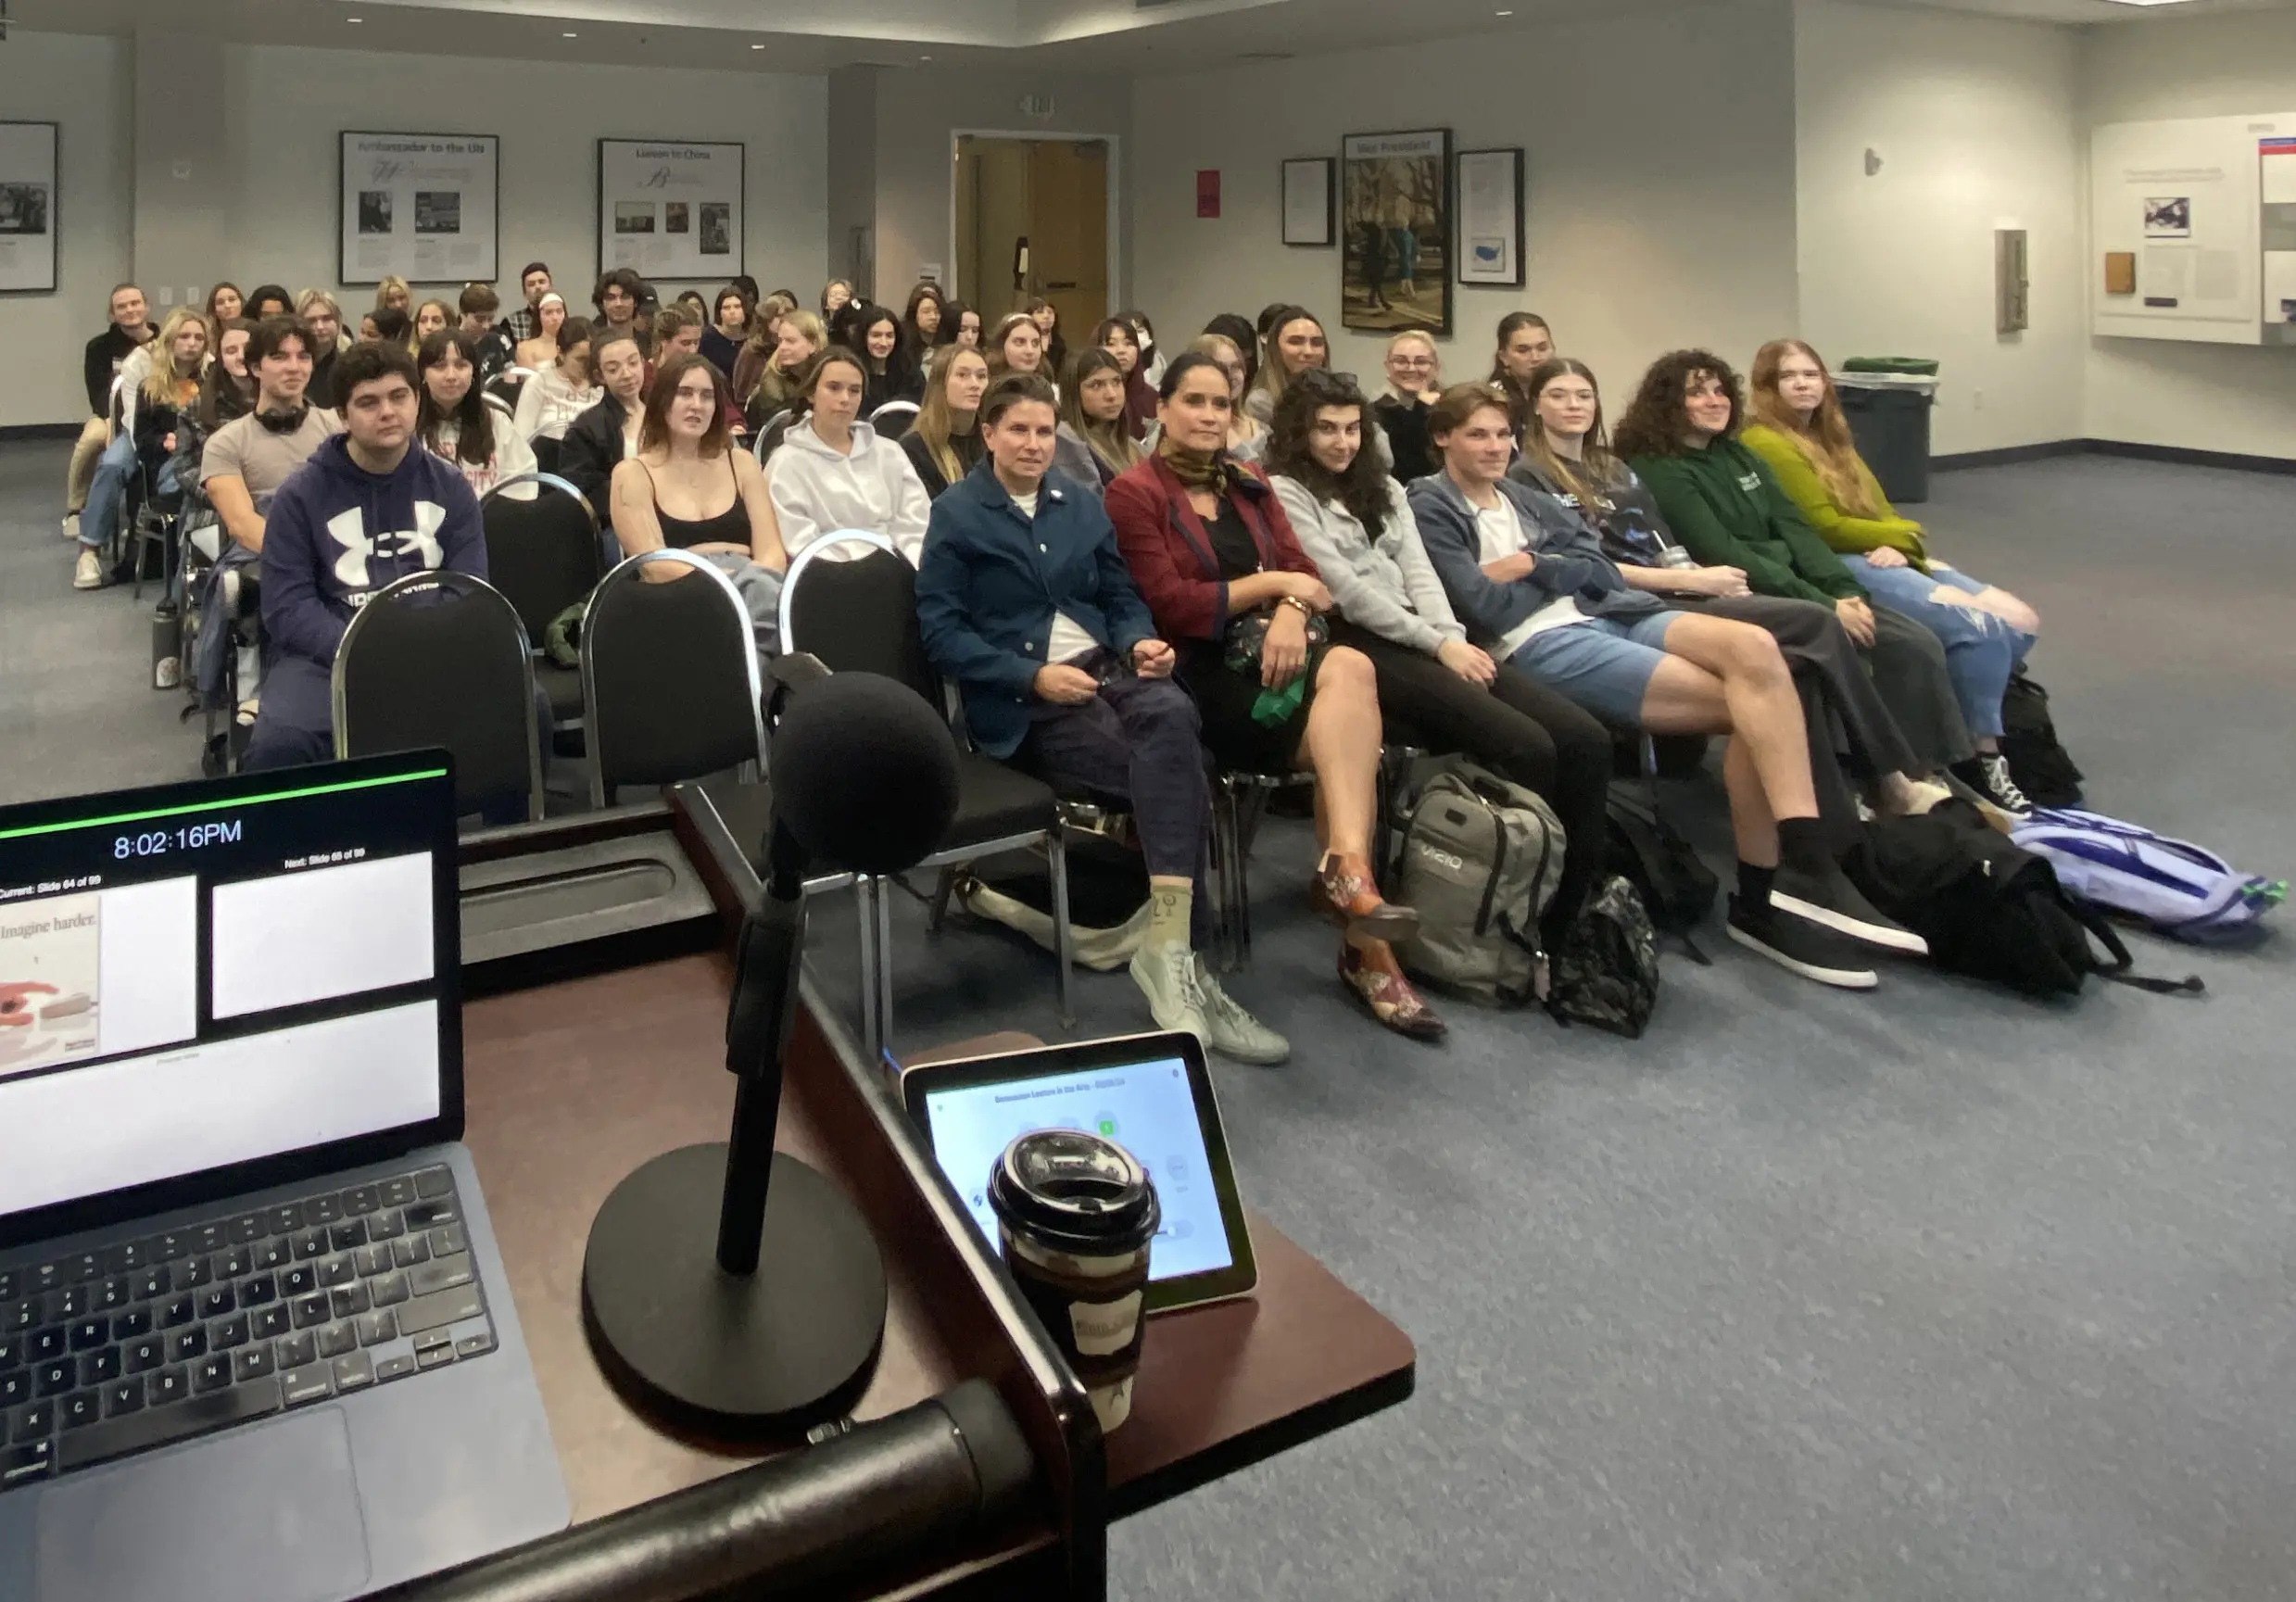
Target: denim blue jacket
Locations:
point(1570, 560)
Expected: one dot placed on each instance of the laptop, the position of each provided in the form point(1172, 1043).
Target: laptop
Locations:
point(256, 1338)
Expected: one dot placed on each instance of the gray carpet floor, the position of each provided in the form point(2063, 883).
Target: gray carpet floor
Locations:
point(1928, 1294)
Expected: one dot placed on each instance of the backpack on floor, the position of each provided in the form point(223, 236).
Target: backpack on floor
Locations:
point(1989, 908)
point(2043, 769)
point(1676, 887)
point(1107, 900)
point(1479, 862)
point(2170, 886)
point(1607, 973)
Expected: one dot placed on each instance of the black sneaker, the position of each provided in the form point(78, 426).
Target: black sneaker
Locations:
point(1799, 947)
point(1988, 773)
point(1834, 902)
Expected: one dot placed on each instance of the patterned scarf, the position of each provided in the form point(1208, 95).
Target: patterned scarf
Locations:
point(1196, 469)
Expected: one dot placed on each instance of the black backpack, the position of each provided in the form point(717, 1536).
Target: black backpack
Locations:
point(2043, 769)
point(1676, 887)
point(1989, 908)
point(1607, 972)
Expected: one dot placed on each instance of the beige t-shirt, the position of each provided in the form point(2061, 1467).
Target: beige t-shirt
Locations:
point(245, 450)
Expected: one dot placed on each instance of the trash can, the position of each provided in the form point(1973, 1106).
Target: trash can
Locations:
point(1886, 399)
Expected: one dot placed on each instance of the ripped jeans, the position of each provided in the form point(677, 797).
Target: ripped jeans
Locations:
point(1981, 649)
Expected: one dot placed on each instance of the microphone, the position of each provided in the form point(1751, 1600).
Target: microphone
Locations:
point(779, 1319)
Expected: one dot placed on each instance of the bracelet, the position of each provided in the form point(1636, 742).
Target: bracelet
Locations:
point(1306, 612)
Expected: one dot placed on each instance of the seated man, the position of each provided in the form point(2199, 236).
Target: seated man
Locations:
point(248, 459)
point(104, 457)
point(371, 506)
point(1026, 604)
point(525, 323)
point(1531, 578)
point(496, 353)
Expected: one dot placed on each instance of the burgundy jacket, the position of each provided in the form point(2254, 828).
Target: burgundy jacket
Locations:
point(1170, 554)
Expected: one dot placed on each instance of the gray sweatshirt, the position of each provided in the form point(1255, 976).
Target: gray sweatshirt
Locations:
point(1384, 585)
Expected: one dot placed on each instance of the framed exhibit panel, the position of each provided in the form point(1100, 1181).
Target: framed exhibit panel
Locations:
point(421, 207)
point(2193, 224)
point(28, 208)
point(1490, 192)
point(1395, 232)
point(671, 208)
point(1308, 200)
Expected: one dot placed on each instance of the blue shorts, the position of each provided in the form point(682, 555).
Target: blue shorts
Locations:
point(1603, 665)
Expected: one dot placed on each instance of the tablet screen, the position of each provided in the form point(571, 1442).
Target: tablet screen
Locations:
point(1146, 1107)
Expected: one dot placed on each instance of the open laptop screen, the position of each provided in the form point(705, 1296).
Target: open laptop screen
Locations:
point(205, 977)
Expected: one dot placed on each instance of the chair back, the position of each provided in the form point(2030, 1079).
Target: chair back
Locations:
point(549, 454)
point(850, 598)
point(668, 674)
point(503, 409)
point(440, 659)
point(769, 434)
point(504, 385)
point(542, 553)
point(893, 419)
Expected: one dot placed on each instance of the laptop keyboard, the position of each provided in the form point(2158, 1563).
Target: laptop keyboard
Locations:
point(156, 1340)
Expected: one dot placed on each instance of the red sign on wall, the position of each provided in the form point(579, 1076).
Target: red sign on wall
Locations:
point(1207, 192)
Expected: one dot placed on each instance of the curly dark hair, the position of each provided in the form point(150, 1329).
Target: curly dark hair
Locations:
point(1654, 422)
point(1362, 489)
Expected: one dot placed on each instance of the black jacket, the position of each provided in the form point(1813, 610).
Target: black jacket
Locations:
point(104, 354)
point(968, 449)
point(591, 452)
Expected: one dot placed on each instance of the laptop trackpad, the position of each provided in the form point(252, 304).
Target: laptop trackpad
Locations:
point(270, 1511)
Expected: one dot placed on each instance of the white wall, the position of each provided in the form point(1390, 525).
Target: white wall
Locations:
point(81, 83)
point(2202, 397)
point(1659, 171)
point(1974, 118)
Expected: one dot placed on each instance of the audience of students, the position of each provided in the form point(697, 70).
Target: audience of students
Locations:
point(1209, 547)
point(1046, 316)
point(536, 350)
point(392, 293)
point(224, 304)
point(1247, 436)
point(618, 295)
point(268, 300)
point(386, 326)
point(247, 460)
point(944, 442)
point(926, 319)
point(433, 316)
point(1095, 441)
point(1413, 383)
point(1017, 344)
point(965, 323)
point(1151, 359)
point(323, 316)
point(887, 357)
point(561, 389)
point(599, 439)
point(479, 303)
point(1525, 343)
point(832, 472)
point(456, 424)
point(1119, 338)
point(129, 331)
point(525, 323)
point(728, 330)
point(768, 377)
point(1293, 343)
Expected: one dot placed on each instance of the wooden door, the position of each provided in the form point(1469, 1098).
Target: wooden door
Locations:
point(1069, 231)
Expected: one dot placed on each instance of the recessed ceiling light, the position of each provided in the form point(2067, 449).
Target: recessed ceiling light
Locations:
point(925, 58)
point(757, 46)
point(569, 35)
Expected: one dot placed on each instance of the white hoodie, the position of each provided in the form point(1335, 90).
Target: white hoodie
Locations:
point(874, 489)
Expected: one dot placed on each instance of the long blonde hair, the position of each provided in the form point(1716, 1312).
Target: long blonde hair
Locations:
point(1597, 471)
point(936, 419)
point(164, 386)
point(1824, 441)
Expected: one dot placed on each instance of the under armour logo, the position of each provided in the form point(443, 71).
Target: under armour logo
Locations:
point(348, 529)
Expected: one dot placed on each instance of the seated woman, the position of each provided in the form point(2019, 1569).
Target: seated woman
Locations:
point(1356, 526)
point(1095, 441)
point(601, 439)
point(1211, 550)
point(766, 378)
point(1801, 436)
point(1565, 454)
point(1151, 359)
point(556, 395)
point(1525, 344)
point(689, 487)
point(1680, 434)
point(1046, 316)
point(1530, 580)
point(728, 330)
point(433, 316)
point(1247, 436)
point(386, 326)
point(1294, 344)
point(833, 473)
point(392, 293)
point(1413, 383)
point(924, 320)
point(539, 352)
point(944, 442)
point(1117, 336)
point(224, 304)
point(894, 372)
point(267, 300)
point(457, 425)
point(965, 325)
point(1061, 670)
point(836, 295)
point(1017, 344)
point(167, 410)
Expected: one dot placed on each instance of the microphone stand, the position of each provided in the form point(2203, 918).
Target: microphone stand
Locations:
point(771, 1328)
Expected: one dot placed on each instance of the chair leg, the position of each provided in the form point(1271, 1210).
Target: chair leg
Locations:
point(1231, 893)
point(939, 912)
point(885, 963)
point(1057, 858)
point(864, 920)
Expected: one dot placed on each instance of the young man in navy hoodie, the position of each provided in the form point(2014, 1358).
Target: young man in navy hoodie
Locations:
point(369, 506)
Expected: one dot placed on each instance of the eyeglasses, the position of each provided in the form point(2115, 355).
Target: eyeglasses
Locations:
point(1410, 361)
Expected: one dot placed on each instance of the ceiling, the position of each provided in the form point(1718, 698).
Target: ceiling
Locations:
point(1092, 36)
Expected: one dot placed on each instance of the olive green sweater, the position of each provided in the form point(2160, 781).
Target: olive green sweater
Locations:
point(1843, 530)
point(1726, 508)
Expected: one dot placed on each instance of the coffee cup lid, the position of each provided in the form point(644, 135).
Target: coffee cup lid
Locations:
point(1075, 1192)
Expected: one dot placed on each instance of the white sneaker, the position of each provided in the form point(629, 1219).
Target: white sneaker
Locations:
point(248, 710)
point(1233, 1031)
point(88, 571)
point(71, 526)
point(1167, 976)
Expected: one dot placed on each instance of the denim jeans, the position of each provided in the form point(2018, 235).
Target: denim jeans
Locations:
point(107, 492)
point(1981, 649)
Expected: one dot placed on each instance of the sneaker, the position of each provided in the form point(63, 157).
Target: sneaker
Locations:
point(71, 526)
point(1232, 1031)
point(1799, 946)
point(1835, 903)
point(1988, 773)
point(167, 673)
point(88, 571)
point(1167, 976)
point(249, 710)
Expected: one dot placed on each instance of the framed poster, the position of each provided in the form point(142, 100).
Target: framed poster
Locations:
point(1308, 200)
point(1490, 192)
point(1395, 240)
point(421, 207)
point(671, 208)
point(27, 208)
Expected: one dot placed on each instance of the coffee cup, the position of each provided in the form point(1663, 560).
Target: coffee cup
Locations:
point(1075, 1215)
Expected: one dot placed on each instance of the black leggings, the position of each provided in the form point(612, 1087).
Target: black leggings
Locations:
point(1519, 729)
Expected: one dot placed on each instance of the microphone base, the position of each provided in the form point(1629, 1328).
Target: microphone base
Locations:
point(723, 1355)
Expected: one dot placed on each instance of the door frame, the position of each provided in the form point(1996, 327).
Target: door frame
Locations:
point(1048, 136)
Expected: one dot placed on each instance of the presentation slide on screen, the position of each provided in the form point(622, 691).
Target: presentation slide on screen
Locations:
point(328, 932)
point(96, 972)
point(1146, 1108)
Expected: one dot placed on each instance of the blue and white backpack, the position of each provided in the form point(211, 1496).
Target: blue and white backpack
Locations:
point(2174, 885)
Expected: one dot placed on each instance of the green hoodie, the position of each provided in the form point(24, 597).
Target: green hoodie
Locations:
point(1725, 507)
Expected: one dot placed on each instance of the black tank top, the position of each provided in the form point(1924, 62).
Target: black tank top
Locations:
point(728, 527)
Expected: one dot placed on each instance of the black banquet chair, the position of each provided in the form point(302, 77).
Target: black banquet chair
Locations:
point(544, 554)
point(439, 659)
point(669, 673)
